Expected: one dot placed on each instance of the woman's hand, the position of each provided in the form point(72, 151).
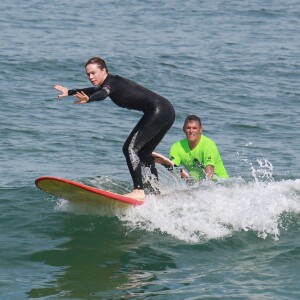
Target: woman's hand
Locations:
point(83, 98)
point(62, 89)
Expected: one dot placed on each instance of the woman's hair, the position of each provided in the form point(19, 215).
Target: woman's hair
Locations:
point(192, 118)
point(98, 61)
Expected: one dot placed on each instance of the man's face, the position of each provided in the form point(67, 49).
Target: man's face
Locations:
point(193, 131)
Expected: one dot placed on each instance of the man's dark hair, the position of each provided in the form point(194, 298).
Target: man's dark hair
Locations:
point(192, 118)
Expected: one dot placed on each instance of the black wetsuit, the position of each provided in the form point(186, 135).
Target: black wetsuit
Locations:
point(158, 117)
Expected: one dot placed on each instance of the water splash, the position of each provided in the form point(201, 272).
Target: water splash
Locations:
point(214, 210)
point(263, 171)
point(203, 211)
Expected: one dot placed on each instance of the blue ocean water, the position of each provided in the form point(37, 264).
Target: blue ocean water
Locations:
point(233, 63)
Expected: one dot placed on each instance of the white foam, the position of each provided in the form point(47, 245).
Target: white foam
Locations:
point(213, 210)
point(206, 210)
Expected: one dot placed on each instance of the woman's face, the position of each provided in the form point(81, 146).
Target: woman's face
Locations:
point(95, 75)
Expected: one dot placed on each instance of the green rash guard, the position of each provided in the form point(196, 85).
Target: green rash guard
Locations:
point(205, 153)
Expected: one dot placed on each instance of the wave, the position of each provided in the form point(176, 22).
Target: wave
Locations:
point(199, 212)
point(214, 211)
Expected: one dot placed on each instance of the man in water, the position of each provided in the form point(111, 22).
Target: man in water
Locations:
point(198, 153)
point(158, 116)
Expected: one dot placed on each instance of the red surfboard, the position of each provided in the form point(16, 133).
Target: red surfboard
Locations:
point(80, 193)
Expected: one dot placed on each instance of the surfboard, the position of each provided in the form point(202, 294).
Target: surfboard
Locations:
point(77, 192)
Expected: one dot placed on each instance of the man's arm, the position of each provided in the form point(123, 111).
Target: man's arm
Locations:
point(174, 156)
point(209, 171)
point(211, 154)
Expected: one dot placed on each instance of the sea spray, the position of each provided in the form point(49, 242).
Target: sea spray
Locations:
point(206, 210)
point(214, 211)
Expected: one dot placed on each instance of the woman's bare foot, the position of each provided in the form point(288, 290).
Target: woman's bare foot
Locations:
point(136, 194)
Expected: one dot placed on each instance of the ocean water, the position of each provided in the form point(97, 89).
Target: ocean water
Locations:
point(236, 65)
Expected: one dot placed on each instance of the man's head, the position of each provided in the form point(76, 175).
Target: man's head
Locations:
point(193, 129)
